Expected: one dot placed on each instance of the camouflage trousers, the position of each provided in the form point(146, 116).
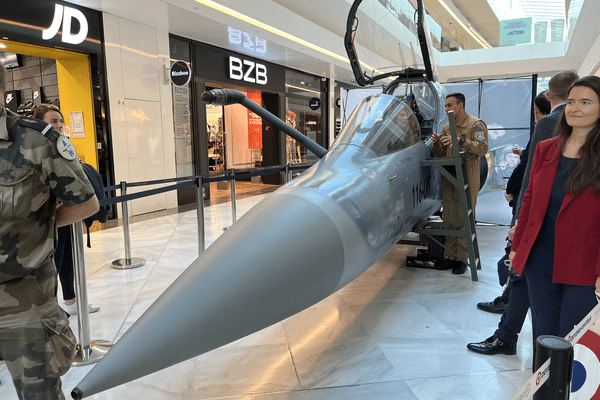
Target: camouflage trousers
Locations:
point(35, 339)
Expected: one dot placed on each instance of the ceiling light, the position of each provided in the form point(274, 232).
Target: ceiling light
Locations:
point(301, 88)
point(469, 30)
point(236, 14)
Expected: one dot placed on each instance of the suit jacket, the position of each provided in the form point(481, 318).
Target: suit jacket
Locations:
point(544, 129)
point(577, 238)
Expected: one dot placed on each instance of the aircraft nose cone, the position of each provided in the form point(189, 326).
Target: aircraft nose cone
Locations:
point(283, 256)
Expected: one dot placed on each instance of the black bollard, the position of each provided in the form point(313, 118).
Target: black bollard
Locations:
point(560, 352)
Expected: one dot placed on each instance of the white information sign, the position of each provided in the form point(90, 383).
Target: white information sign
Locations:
point(77, 128)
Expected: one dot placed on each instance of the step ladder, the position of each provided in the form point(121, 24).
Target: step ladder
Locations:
point(457, 176)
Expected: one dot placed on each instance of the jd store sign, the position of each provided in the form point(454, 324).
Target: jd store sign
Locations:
point(65, 16)
point(52, 23)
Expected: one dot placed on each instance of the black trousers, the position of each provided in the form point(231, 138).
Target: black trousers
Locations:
point(516, 310)
point(556, 307)
point(63, 259)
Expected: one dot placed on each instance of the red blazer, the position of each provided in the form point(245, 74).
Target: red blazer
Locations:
point(577, 237)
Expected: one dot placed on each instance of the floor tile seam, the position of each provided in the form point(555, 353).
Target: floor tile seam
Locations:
point(389, 362)
point(378, 344)
point(138, 295)
point(462, 374)
point(293, 362)
point(356, 385)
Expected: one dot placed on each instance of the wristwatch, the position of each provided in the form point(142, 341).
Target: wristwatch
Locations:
point(462, 140)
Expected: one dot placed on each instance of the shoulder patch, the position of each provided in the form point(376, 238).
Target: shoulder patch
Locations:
point(36, 124)
point(65, 148)
point(63, 145)
point(478, 128)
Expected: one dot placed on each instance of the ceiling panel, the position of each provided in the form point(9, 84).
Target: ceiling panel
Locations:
point(322, 23)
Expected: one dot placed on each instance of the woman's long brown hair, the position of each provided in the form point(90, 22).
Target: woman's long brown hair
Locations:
point(587, 172)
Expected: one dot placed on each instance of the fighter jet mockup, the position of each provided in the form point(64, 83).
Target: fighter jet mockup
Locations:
point(312, 236)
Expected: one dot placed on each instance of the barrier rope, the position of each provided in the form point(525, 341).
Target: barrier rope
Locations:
point(187, 181)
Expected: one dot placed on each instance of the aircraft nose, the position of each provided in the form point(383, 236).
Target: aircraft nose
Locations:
point(283, 256)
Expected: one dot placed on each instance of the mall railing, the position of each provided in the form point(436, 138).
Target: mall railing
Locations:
point(91, 351)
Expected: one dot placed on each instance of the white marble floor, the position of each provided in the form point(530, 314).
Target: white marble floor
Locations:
point(393, 333)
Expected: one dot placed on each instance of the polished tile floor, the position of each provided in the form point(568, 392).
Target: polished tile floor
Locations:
point(393, 333)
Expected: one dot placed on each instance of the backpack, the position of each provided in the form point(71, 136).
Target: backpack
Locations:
point(104, 211)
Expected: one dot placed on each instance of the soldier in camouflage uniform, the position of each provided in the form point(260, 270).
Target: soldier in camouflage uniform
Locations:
point(473, 138)
point(38, 169)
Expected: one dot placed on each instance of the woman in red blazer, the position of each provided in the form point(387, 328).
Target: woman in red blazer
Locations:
point(557, 239)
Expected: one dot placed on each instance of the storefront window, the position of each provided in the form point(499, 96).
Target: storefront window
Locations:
point(215, 133)
point(235, 134)
point(303, 112)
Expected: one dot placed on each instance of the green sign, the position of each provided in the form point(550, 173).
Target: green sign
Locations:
point(515, 31)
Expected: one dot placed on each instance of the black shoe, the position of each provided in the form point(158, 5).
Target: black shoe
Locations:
point(459, 267)
point(443, 265)
point(498, 306)
point(492, 345)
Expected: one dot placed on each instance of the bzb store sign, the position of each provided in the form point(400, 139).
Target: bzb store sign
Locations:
point(247, 71)
point(216, 64)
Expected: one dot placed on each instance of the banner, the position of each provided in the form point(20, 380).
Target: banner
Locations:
point(254, 123)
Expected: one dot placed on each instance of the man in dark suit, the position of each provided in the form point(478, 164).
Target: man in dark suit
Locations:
point(558, 87)
point(504, 340)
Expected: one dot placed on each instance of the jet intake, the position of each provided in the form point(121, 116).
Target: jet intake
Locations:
point(223, 97)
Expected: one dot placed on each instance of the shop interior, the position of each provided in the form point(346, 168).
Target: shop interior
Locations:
point(37, 75)
point(304, 113)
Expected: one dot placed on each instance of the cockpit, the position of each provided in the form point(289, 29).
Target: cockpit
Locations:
point(382, 123)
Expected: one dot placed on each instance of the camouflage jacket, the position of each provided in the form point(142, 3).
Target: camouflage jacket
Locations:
point(475, 133)
point(38, 168)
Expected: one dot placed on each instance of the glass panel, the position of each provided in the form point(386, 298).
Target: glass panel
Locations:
point(303, 113)
point(453, 26)
point(515, 113)
point(215, 134)
point(234, 133)
point(388, 27)
point(382, 123)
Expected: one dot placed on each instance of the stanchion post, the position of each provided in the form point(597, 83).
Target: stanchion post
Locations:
point(560, 352)
point(88, 352)
point(200, 213)
point(233, 198)
point(287, 173)
point(127, 262)
point(125, 212)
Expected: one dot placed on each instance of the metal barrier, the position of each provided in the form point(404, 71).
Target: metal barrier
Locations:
point(127, 262)
point(88, 352)
point(196, 180)
point(553, 366)
point(200, 215)
point(233, 198)
point(560, 353)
